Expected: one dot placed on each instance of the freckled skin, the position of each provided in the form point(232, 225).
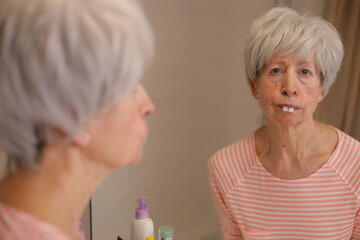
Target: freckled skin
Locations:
point(288, 80)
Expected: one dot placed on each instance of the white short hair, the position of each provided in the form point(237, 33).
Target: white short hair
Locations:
point(63, 62)
point(283, 31)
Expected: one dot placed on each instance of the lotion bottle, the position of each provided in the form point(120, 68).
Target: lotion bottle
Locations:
point(142, 226)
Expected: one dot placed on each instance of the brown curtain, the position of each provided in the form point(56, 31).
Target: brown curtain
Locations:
point(341, 107)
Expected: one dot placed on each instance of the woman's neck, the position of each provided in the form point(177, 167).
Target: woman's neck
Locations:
point(294, 152)
point(294, 142)
point(58, 192)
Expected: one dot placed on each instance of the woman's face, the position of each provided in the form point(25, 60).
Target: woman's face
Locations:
point(117, 138)
point(288, 89)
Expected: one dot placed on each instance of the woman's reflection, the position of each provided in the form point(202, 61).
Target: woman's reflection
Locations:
point(294, 177)
point(72, 109)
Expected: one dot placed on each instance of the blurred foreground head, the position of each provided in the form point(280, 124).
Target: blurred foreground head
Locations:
point(63, 62)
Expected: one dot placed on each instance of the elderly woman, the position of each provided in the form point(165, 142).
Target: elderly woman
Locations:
point(294, 177)
point(72, 109)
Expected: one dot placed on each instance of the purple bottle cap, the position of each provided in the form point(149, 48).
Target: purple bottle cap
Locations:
point(142, 211)
point(83, 234)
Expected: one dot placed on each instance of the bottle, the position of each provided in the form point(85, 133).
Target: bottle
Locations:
point(142, 226)
point(82, 231)
point(166, 233)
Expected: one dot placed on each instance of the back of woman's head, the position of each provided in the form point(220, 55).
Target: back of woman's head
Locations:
point(283, 31)
point(63, 62)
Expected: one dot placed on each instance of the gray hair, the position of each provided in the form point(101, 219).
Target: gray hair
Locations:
point(63, 62)
point(282, 31)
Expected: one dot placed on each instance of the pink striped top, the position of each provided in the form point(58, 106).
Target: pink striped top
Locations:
point(18, 225)
point(253, 204)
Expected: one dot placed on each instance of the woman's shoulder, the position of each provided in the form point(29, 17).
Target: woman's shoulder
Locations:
point(237, 155)
point(349, 139)
point(345, 160)
point(16, 224)
point(338, 143)
point(232, 150)
point(347, 143)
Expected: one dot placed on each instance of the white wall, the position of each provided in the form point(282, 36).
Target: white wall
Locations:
point(198, 84)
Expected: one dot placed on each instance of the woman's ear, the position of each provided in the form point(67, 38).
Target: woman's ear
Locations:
point(254, 91)
point(81, 139)
point(320, 98)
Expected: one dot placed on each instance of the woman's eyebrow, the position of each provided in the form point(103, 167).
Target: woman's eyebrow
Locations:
point(306, 63)
point(279, 62)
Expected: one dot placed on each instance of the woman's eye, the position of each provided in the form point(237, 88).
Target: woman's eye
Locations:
point(305, 71)
point(275, 70)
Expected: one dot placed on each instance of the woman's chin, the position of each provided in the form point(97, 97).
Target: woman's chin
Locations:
point(126, 162)
point(288, 121)
point(136, 159)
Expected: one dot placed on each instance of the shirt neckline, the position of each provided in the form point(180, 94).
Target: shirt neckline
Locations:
point(313, 174)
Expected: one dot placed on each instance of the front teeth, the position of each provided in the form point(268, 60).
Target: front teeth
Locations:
point(287, 109)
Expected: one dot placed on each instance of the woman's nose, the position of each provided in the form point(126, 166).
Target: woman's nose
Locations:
point(148, 106)
point(288, 86)
point(289, 92)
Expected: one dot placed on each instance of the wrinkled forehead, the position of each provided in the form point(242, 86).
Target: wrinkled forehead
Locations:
point(294, 58)
point(303, 58)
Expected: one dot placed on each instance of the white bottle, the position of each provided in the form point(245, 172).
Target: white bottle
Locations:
point(142, 226)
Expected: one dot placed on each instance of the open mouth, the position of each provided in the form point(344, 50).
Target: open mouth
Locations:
point(288, 108)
